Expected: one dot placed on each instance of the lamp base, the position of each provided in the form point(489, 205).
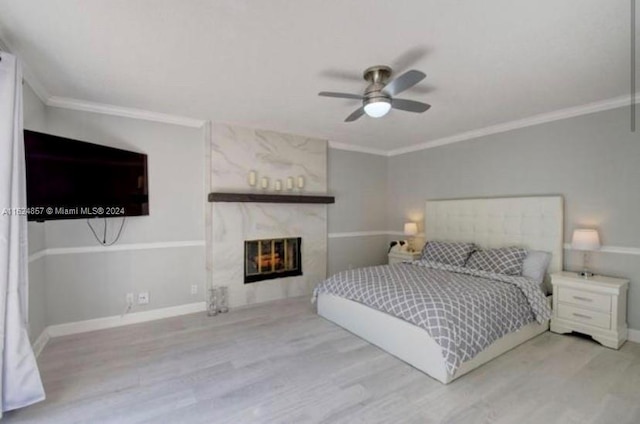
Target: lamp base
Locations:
point(586, 274)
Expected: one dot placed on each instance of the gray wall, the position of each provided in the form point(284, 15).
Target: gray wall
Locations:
point(591, 160)
point(34, 113)
point(88, 285)
point(359, 183)
point(78, 286)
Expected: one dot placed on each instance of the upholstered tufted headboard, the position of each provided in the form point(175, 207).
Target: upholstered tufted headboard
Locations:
point(531, 222)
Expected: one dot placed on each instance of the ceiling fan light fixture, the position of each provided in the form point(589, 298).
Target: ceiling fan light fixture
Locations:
point(377, 107)
point(379, 96)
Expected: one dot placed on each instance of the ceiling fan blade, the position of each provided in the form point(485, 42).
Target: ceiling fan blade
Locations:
point(409, 105)
point(404, 82)
point(355, 115)
point(340, 95)
point(339, 74)
point(409, 58)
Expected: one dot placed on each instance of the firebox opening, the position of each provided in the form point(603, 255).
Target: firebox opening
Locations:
point(272, 258)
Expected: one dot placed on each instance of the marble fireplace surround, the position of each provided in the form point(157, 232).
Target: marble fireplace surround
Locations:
point(232, 153)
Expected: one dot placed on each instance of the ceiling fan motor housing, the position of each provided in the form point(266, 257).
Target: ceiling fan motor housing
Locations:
point(377, 76)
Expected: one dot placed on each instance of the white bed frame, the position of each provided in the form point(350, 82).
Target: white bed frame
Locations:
point(531, 222)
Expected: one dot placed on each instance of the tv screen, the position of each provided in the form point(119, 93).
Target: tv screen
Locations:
point(69, 179)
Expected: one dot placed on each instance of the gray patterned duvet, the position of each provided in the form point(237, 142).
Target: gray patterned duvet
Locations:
point(463, 310)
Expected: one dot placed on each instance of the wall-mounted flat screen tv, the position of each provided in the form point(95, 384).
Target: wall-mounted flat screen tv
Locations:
point(69, 179)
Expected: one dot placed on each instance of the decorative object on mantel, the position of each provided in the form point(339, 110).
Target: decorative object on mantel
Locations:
point(264, 183)
point(410, 229)
point(253, 178)
point(269, 198)
point(586, 240)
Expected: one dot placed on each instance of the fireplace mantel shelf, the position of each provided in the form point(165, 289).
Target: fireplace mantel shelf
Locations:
point(269, 198)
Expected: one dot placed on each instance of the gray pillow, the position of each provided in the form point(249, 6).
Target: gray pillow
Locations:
point(505, 260)
point(450, 253)
point(535, 265)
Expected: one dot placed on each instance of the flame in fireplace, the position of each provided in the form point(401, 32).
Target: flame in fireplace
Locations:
point(267, 261)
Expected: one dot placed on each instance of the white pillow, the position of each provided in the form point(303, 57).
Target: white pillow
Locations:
point(535, 265)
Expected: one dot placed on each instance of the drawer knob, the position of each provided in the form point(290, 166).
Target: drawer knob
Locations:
point(581, 316)
point(584, 299)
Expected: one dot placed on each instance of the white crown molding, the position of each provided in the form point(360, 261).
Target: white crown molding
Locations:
point(622, 250)
point(115, 248)
point(127, 319)
point(520, 123)
point(126, 112)
point(101, 108)
point(356, 148)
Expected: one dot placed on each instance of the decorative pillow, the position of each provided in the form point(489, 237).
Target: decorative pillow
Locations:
point(450, 253)
point(505, 260)
point(535, 265)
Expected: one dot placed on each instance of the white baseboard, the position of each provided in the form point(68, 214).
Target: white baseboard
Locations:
point(41, 342)
point(152, 315)
point(118, 320)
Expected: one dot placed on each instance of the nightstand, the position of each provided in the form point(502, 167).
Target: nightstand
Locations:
point(397, 257)
point(596, 306)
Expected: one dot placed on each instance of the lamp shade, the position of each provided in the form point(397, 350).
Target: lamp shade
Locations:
point(377, 107)
point(584, 239)
point(410, 229)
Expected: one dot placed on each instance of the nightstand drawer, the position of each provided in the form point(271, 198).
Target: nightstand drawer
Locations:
point(585, 316)
point(600, 302)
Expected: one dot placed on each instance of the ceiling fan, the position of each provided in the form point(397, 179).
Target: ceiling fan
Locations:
point(378, 99)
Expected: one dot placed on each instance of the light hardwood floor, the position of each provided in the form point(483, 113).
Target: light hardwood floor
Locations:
point(281, 363)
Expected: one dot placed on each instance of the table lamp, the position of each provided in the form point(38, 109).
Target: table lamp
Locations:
point(410, 229)
point(587, 241)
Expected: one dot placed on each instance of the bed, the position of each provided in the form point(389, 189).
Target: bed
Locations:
point(532, 222)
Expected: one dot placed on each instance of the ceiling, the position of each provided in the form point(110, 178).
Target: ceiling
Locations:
point(262, 63)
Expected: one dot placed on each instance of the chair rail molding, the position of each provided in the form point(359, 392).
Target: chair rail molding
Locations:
point(115, 248)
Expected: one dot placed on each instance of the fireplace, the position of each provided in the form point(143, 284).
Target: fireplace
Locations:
point(272, 258)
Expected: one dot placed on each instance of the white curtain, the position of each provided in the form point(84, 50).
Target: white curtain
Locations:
point(21, 384)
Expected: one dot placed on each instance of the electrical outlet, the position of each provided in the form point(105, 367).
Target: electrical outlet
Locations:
point(194, 289)
point(143, 298)
point(129, 298)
